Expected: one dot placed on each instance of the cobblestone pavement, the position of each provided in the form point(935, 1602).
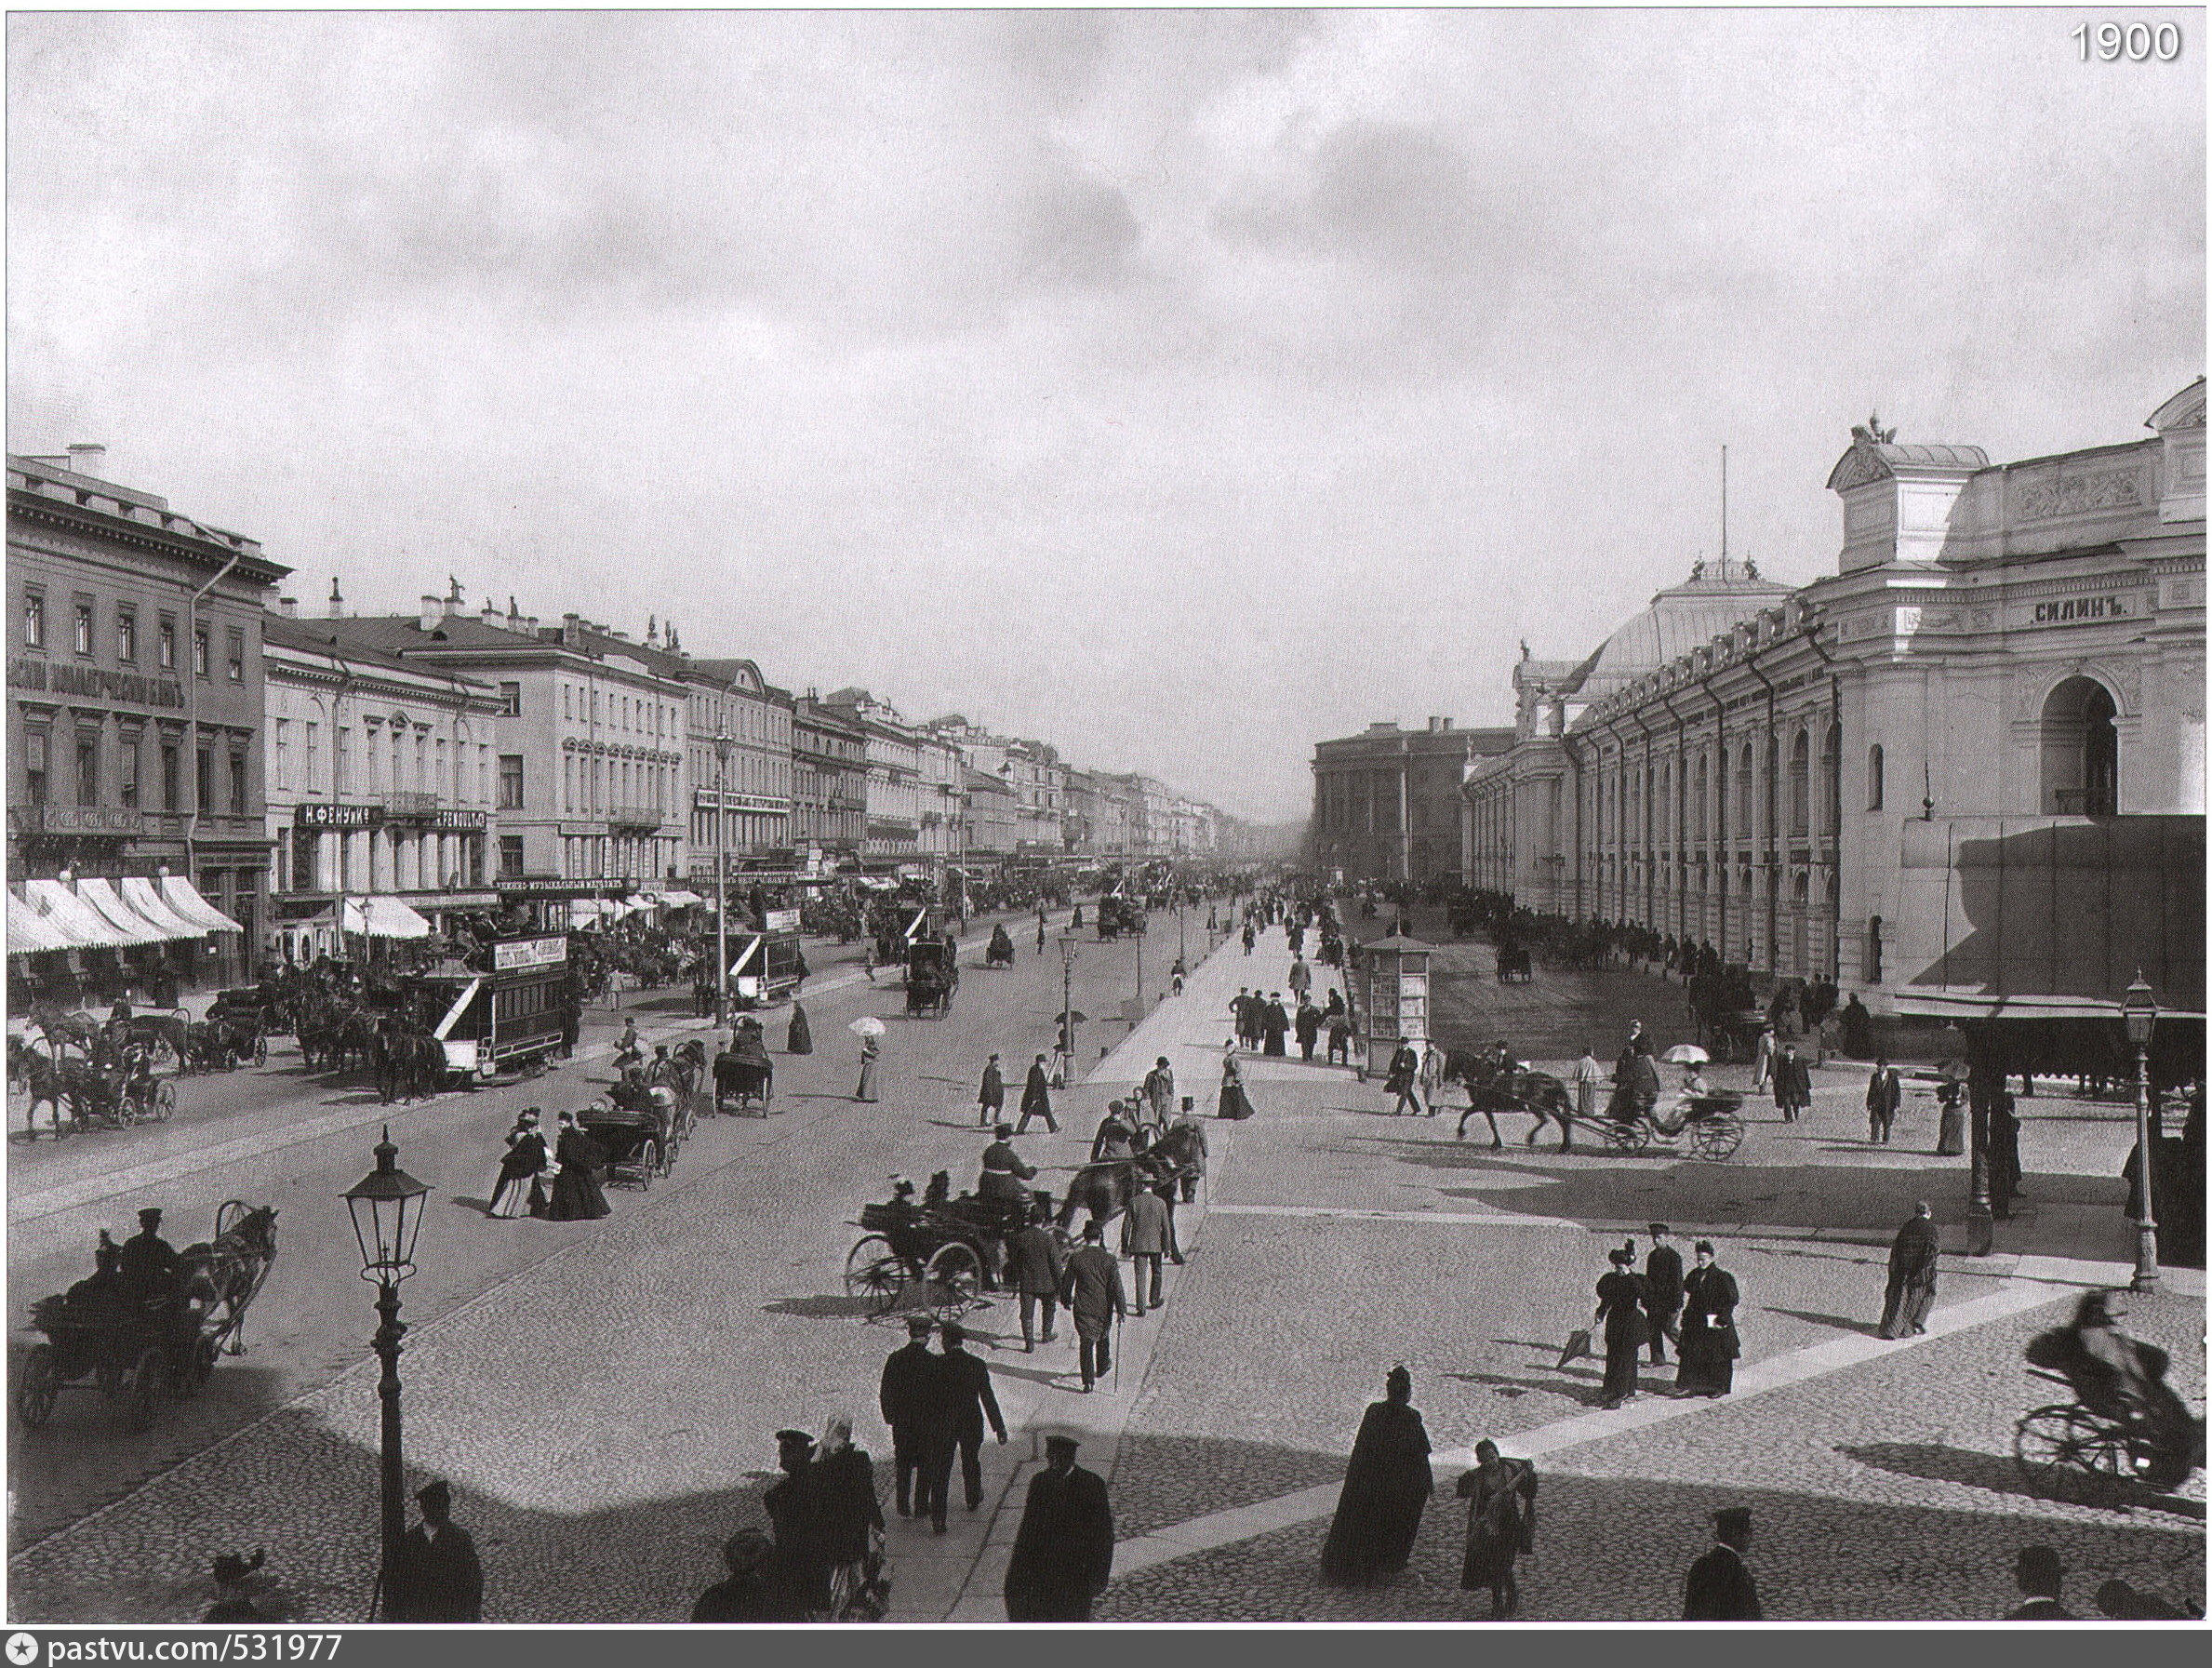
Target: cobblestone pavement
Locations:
point(600, 1394)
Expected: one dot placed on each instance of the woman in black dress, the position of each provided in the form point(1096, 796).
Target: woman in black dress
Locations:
point(518, 1191)
point(1386, 1487)
point(576, 1196)
point(1709, 1345)
point(1620, 1311)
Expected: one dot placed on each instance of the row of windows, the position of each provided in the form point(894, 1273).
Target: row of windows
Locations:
point(590, 786)
point(83, 636)
point(370, 860)
point(98, 766)
point(587, 703)
point(609, 857)
point(1640, 803)
point(384, 763)
point(749, 770)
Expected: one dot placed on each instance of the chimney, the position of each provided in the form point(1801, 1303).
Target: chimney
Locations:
point(288, 607)
point(88, 457)
point(529, 624)
point(492, 616)
point(433, 613)
point(338, 603)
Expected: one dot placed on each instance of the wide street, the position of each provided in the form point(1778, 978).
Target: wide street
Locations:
point(602, 1395)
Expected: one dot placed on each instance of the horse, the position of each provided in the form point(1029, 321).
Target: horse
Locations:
point(59, 1028)
point(225, 1273)
point(1106, 1187)
point(691, 1067)
point(1489, 1092)
point(47, 1081)
point(153, 1031)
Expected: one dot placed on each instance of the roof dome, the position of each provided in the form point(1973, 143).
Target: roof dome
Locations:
point(1713, 599)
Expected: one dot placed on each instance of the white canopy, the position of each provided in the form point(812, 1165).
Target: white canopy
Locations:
point(384, 918)
point(29, 932)
point(138, 891)
point(71, 917)
point(681, 899)
point(95, 891)
point(180, 895)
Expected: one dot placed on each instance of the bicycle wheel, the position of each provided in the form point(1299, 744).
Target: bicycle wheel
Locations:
point(2061, 1449)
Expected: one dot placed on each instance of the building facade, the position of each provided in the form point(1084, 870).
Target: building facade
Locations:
point(400, 813)
point(590, 763)
point(1911, 776)
point(993, 815)
point(829, 781)
point(894, 814)
point(136, 684)
point(738, 748)
point(1387, 802)
point(941, 795)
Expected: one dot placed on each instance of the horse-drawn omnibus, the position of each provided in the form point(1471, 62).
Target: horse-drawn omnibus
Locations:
point(509, 1019)
point(765, 967)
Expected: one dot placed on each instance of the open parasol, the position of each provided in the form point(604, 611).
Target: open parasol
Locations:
point(866, 1026)
point(1687, 1054)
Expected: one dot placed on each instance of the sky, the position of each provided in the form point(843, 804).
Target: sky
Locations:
point(1181, 387)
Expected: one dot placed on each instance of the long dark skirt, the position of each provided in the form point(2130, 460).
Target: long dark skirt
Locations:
point(1906, 1304)
point(576, 1196)
point(1622, 1350)
point(1236, 1103)
point(1705, 1370)
point(799, 1037)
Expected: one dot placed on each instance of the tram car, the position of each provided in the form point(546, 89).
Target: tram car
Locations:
point(509, 1020)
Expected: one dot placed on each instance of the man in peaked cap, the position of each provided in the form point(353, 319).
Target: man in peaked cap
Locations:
point(149, 1262)
point(914, 1403)
point(1063, 1552)
point(439, 1578)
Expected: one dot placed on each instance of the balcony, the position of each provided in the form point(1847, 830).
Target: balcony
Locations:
point(634, 815)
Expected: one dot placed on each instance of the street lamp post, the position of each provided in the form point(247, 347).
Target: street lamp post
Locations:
point(1066, 1001)
point(724, 741)
point(2140, 1010)
point(387, 1210)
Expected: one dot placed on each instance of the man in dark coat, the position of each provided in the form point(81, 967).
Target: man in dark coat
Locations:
point(1720, 1587)
point(912, 1403)
point(1884, 1093)
point(148, 1262)
point(1034, 1268)
point(794, 1508)
point(1091, 1287)
point(1663, 1294)
point(747, 1595)
point(964, 1382)
point(1792, 1084)
point(439, 1578)
point(1274, 1025)
point(1063, 1552)
point(1913, 1257)
point(1003, 1172)
point(1308, 1026)
point(2041, 1577)
point(990, 1100)
point(1036, 1098)
point(2005, 1155)
point(1115, 1137)
point(1386, 1488)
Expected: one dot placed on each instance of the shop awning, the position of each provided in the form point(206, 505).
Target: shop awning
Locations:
point(382, 918)
point(184, 898)
point(138, 891)
point(680, 899)
point(28, 933)
point(585, 912)
point(71, 917)
point(96, 891)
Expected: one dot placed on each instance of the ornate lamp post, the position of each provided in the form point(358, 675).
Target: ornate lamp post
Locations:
point(1067, 1001)
point(2139, 1008)
point(724, 741)
point(387, 1209)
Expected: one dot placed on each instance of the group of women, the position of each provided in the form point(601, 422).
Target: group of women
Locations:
point(573, 1166)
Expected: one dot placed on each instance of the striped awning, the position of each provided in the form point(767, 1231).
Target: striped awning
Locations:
point(184, 898)
point(28, 932)
point(95, 890)
point(138, 891)
point(72, 918)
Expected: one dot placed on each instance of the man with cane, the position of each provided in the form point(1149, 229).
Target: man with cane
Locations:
point(1091, 1287)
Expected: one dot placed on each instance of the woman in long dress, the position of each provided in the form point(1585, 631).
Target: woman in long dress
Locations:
point(576, 1196)
point(1709, 1344)
point(1620, 1310)
point(799, 1038)
point(1386, 1487)
point(1235, 1102)
point(867, 1053)
point(519, 1187)
point(1500, 1496)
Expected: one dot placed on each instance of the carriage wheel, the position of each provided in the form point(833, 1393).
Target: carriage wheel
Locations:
point(1716, 1138)
point(873, 1270)
point(199, 1368)
point(149, 1387)
point(2059, 1447)
point(955, 1280)
point(648, 1163)
point(163, 1103)
point(41, 1384)
point(261, 1051)
point(1626, 1137)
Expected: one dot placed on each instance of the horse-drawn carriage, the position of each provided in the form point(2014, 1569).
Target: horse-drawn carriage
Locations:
point(116, 1090)
point(944, 1247)
point(1709, 1127)
point(744, 1076)
point(1117, 914)
point(999, 952)
point(932, 975)
point(1514, 964)
point(640, 1143)
point(144, 1348)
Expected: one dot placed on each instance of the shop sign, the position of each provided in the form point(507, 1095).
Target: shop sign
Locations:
point(61, 677)
point(451, 818)
point(783, 920)
point(2072, 610)
point(337, 816)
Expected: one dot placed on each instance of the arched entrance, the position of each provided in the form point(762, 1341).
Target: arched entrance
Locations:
point(2081, 751)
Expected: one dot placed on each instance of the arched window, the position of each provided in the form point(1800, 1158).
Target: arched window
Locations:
point(2081, 751)
point(1769, 790)
point(1831, 781)
point(1873, 778)
point(1743, 791)
point(1801, 753)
